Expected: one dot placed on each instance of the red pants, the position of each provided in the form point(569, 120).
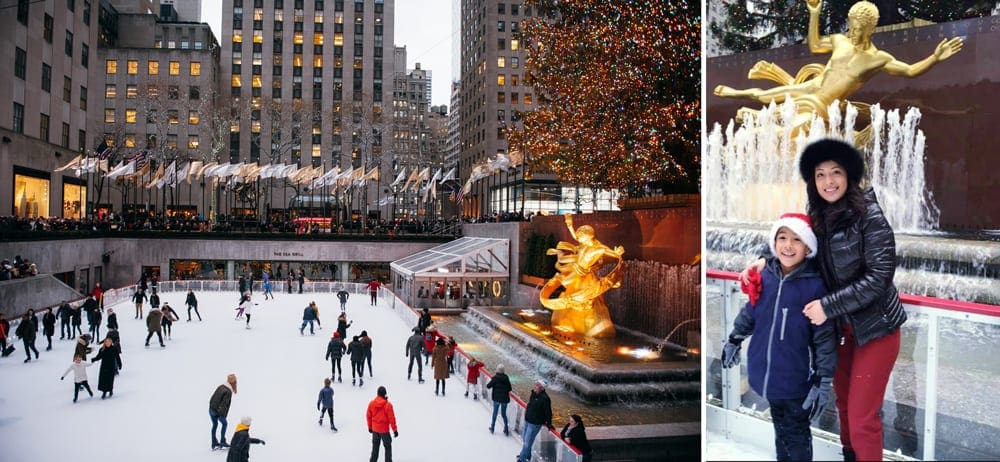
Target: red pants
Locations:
point(860, 380)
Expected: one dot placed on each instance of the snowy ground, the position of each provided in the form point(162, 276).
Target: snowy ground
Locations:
point(160, 408)
point(717, 447)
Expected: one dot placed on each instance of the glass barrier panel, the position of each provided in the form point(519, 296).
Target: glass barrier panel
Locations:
point(712, 346)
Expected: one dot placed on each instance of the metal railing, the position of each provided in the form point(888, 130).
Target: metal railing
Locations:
point(947, 369)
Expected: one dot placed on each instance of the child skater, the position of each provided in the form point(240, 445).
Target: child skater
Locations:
point(244, 309)
point(472, 377)
point(790, 361)
point(79, 369)
point(324, 404)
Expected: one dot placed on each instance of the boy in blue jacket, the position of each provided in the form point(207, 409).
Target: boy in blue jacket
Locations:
point(325, 400)
point(790, 362)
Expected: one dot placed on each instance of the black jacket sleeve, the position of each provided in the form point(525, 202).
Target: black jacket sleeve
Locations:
point(879, 249)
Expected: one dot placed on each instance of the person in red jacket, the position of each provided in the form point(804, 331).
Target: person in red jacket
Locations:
point(98, 294)
point(381, 418)
point(472, 377)
point(373, 290)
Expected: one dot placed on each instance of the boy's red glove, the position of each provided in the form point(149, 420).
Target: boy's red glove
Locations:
point(753, 287)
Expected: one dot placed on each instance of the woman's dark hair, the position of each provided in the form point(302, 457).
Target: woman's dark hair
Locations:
point(823, 213)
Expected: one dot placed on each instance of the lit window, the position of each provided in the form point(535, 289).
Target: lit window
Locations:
point(338, 39)
point(515, 44)
point(501, 79)
point(195, 68)
point(316, 152)
point(237, 36)
point(109, 116)
point(258, 36)
point(501, 62)
point(297, 38)
point(129, 141)
point(130, 116)
point(527, 98)
point(175, 68)
point(236, 83)
point(110, 91)
point(254, 126)
point(317, 39)
point(193, 118)
point(172, 117)
point(131, 91)
point(318, 17)
point(193, 142)
point(133, 67)
point(256, 81)
point(317, 61)
point(154, 68)
point(111, 66)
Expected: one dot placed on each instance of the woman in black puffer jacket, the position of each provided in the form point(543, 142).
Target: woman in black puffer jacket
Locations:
point(857, 259)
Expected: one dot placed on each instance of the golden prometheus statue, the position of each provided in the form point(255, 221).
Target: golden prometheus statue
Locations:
point(580, 307)
point(853, 62)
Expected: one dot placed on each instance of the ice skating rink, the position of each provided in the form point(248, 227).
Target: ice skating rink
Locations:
point(159, 411)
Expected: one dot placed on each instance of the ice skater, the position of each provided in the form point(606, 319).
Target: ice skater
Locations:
point(324, 403)
point(192, 304)
point(79, 369)
point(334, 352)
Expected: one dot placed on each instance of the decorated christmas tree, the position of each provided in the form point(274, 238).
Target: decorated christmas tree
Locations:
point(618, 86)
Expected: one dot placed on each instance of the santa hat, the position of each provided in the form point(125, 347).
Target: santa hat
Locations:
point(336, 335)
point(799, 224)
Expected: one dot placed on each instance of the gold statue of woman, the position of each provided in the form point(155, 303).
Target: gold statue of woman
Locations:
point(853, 62)
point(581, 307)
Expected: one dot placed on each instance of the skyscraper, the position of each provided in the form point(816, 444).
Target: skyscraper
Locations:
point(307, 78)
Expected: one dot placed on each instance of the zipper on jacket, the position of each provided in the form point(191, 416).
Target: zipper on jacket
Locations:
point(784, 319)
point(770, 335)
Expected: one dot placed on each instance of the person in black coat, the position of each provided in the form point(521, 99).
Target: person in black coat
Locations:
point(239, 449)
point(110, 356)
point(537, 414)
point(357, 352)
point(575, 434)
point(500, 384)
point(48, 327)
point(93, 317)
point(65, 313)
point(425, 321)
point(334, 351)
point(302, 279)
point(76, 319)
point(27, 330)
point(192, 303)
point(112, 320)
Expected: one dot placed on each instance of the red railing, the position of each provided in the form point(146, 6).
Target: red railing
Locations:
point(916, 300)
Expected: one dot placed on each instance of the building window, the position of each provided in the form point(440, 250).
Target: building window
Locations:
point(175, 68)
point(172, 117)
point(133, 67)
point(501, 62)
point(195, 68)
point(69, 44)
point(527, 98)
point(500, 26)
point(18, 118)
point(49, 26)
point(81, 143)
point(86, 12)
point(67, 89)
point(43, 127)
point(501, 78)
point(71, 5)
point(173, 92)
point(46, 77)
point(83, 98)
point(501, 97)
point(193, 117)
point(85, 56)
point(193, 142)
point(129, 140)
point(514, 62)
point(153, 68)
point(111, 66)
point(501, 8)
point(110, 91)
point(130, 116)
point(20, 63)
point(109, 115)
point(194, 92)
point(515, 44)
point(131, 91)
point(22, 11)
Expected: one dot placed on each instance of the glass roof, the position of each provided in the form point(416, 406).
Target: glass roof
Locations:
point(482, 256)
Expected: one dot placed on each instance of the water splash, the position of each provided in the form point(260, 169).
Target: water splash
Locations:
point(751, 170)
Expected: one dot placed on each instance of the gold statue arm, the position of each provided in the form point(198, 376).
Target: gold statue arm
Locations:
point(569, 224)
point(946, 49)
point(817, 43)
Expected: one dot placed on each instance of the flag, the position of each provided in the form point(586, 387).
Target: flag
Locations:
point(103, 150)
point(400, 177)
point(194, 168)
point(141, 159)
point(450, 175)
point(437, 176)
point(424, 175)
point(182, 174)
point(126, 169)
point(72, 164)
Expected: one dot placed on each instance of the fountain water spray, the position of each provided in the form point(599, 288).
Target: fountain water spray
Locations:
point(751, 171)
